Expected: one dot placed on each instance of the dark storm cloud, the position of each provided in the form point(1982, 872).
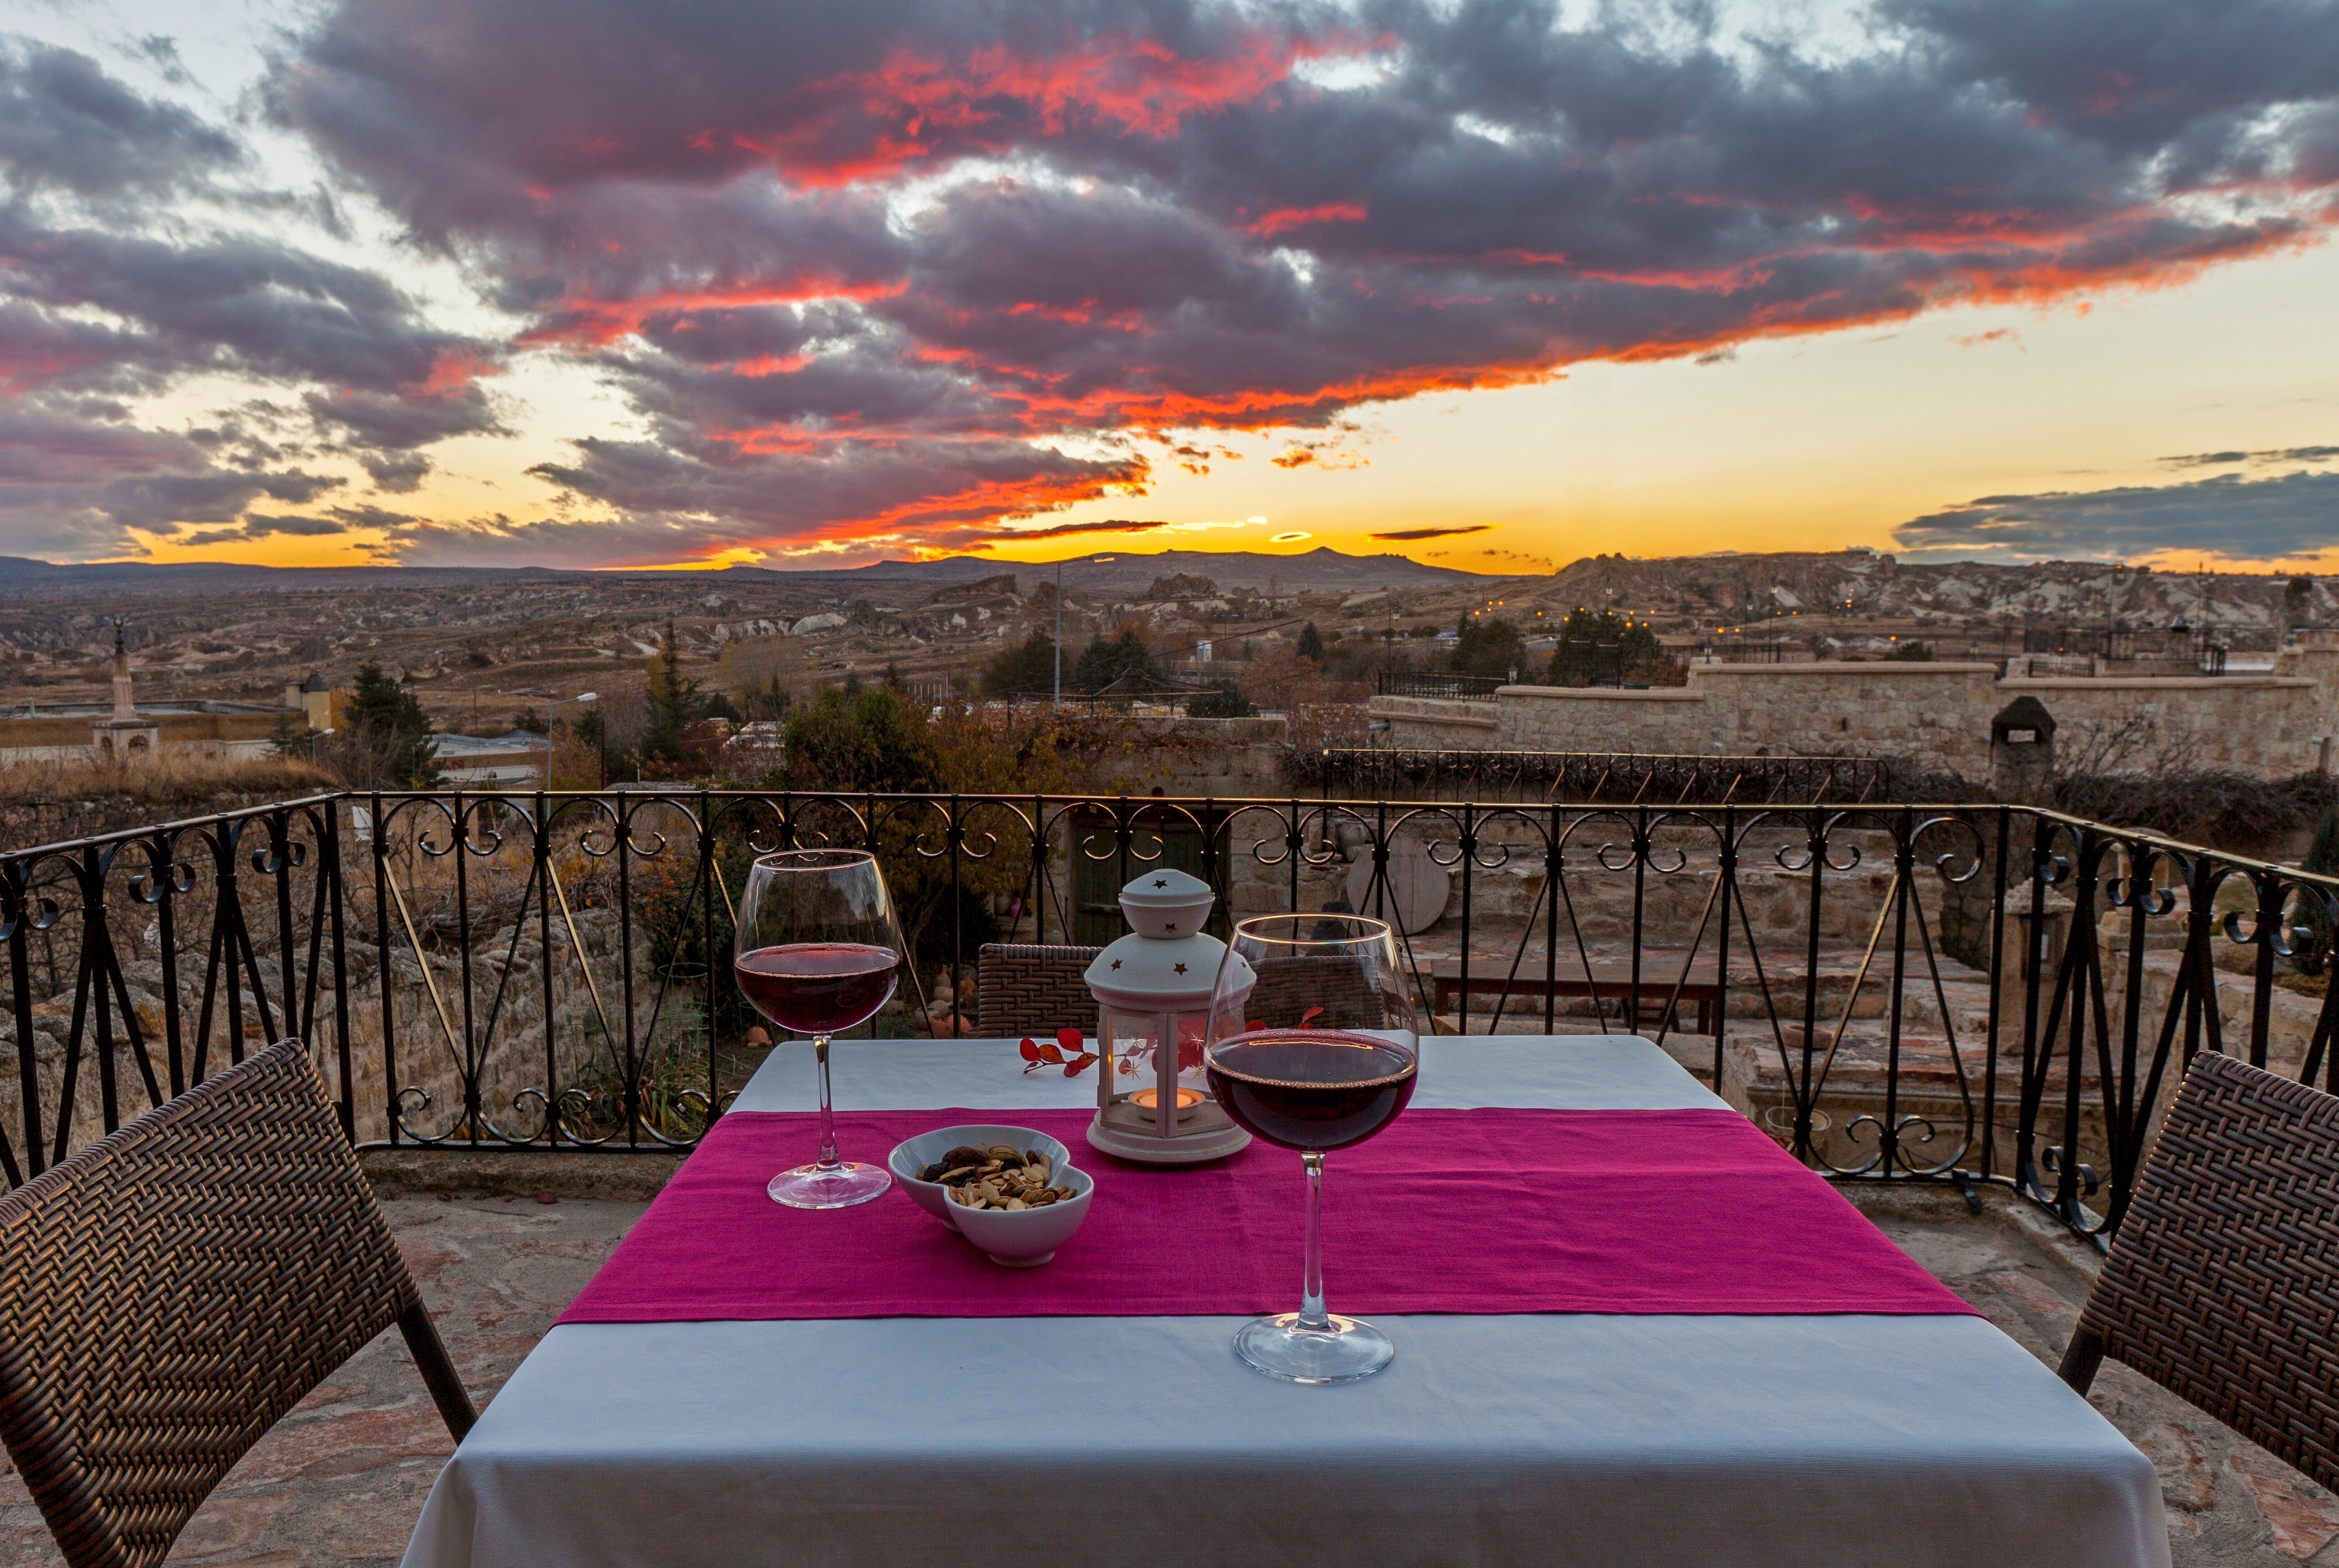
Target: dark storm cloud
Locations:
point(2240, 519)
point(138, 256)
point(903, 228)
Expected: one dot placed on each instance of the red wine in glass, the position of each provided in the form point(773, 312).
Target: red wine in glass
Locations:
point(1311, 1091)
point(819, 987)
point(816, 950)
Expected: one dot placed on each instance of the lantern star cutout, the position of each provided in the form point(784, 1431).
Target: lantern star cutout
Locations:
point(1116, 963)
point(1160, 881)
point(1169, 925)
point(1179, 968)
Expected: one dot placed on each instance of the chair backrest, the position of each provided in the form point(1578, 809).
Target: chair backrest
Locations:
point(1028, 988)
point(167, 1294)
point(1328, 993)
point(2220, 1284)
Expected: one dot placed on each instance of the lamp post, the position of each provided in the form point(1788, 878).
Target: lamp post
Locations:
point(600, 734)
point(1094, 561)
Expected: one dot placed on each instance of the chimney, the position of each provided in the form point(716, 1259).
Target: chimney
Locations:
point(2022, 754)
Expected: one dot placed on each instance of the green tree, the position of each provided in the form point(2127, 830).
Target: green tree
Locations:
point(674, 700)
point(768, 702)
point(877, 739)
point(1602, 644)
point(1105, 661)
point(872, 739)
point(1489, 646)
point(1911, 653)
point(1028, 665)
point(1310, 645)
point(386, 742)
point(1224, 701)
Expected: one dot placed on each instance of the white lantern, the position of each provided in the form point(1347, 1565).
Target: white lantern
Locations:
point(1153, 1012)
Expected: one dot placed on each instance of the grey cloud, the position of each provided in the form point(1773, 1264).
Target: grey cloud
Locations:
point(1217, 242)
point(65, 124)
point(396, 473)
point(259, 526)
point(2273, 455)
point(123, 282)
point(2243, 520)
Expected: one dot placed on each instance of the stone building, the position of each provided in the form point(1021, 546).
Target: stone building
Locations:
point(125, 727)
point(2271, 723)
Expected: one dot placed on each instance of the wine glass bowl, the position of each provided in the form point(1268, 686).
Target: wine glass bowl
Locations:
point(1312, 1048)
point(817, 951)
point(1314, 1089)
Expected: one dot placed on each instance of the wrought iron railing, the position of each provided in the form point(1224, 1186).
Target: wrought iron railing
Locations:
point(1448, 688)
point(1389, 773)
point(1960, 994)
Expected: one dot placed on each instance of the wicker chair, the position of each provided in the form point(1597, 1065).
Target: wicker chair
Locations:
point(1324, 993)
point(1023, 987)
point(2220, 1285)
point(166, 1294)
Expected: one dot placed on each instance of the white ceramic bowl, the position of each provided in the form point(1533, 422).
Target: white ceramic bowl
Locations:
point(909, 1157)
point(1028, 1237)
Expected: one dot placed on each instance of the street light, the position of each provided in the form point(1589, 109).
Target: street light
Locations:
point(1094, 561)
point(601, 736)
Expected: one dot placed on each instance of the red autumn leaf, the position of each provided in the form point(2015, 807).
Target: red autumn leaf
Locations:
point(1079, 1064)
point(1189, 1054)
point(1050, 1055)
point(1030, 1050)
point(1310, 1016)
point(1069, 1039)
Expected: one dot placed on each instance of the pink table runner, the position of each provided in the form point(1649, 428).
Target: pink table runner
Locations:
point(1449, 1211)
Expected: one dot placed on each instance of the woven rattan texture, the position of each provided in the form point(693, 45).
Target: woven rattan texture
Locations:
point(2221, 1287)
point(168, 1292)
point(1024, 988)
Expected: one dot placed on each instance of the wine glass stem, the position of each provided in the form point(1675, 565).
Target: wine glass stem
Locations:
point(1312, 1314)
point(827, 1160)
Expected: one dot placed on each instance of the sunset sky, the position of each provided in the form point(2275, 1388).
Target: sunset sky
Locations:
point(1496, 284)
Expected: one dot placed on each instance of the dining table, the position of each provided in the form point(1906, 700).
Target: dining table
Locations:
point(1629, 1329)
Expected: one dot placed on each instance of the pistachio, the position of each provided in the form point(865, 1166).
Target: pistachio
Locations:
point(998, 1176)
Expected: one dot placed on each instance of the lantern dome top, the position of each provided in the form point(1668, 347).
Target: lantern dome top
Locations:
point(1166, 903)
point(1169, 961)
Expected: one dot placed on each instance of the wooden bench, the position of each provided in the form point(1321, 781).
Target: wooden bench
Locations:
point(1610, 979)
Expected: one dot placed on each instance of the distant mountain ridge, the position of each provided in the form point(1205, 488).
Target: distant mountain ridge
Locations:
point(1322, 569)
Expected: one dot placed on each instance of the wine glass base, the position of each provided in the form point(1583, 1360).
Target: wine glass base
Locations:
point(835, 1187)
point(1279, 1347)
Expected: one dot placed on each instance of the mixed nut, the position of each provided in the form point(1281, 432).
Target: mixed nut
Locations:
point(999, 1177)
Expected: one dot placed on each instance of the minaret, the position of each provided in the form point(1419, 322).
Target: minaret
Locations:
point(126, 732)
point(124, 707)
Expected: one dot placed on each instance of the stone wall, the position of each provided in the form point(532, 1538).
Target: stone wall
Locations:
point(1936, 712)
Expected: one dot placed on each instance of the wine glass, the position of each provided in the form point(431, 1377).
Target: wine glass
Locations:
point(818, 951)
point(1312, 1046)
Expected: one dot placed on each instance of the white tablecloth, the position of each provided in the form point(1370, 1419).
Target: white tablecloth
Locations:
point(1530, 1439)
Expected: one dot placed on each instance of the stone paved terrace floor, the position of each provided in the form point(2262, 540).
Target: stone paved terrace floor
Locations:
point(342, 1479)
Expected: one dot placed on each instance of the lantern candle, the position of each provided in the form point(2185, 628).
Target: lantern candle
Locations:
point(1153, 999)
